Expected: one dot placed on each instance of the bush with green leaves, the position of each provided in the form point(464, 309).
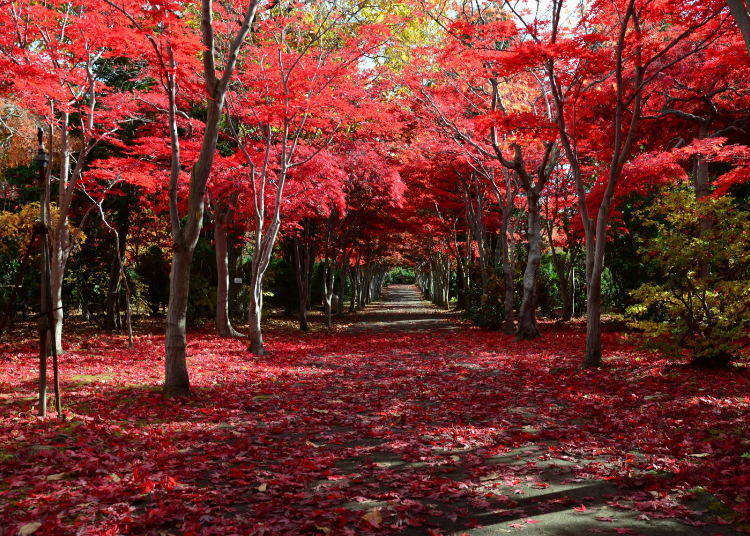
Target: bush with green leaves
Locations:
point(400, 276)
point(700, 300)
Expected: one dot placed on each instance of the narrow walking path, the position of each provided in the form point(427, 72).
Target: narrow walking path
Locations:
point(402, 308)
point(533, 487)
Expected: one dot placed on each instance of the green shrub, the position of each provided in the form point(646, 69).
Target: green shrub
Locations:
point(400, 276)
point(700, 301)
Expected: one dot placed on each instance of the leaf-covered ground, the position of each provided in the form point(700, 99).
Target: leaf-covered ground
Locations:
point(407, 424)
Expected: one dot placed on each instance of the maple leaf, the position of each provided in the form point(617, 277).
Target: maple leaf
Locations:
point(373, 517)
point(29, 528)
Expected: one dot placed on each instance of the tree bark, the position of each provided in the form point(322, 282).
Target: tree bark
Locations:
point(176, 381)
point(593, 356)
point(264, 242)
point(59, 258)
point(353, 298)
point(329, 280)
point(300, 272)
point(741, 14)
point(235, 257)
point(509, 321)
point(341, 284)
point(527, 325)
point(223, 323)
point(121, 229)
point(564, 272)
point(303, 258)
point(60, 239)
point(255, 315)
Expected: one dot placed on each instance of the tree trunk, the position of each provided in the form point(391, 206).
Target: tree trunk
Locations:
point(461, 287)
point(176, 380)
point(60, 240)
point(112, 314)
point(113, 319)
point(595, 260)
point(302, 271)
point(57, 265)
point(527, 325)
point(302, 293)
point(341, 284)
point(255, 314)
point(360, 287)
point(223, 322)
point(353, 297)
point(328, 285)
point(593, 356)
point(741, 14)
point(234, 288)
point(509, 321)
point(264, 243)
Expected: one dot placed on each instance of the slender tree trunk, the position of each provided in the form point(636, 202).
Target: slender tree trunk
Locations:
point(360, 287)
point(302, 271)
point(112, 318)
point(128, 315)
point(60, 240)
point(460, 284)
point(566, 296)
point(264, 243)
point(121, 228)
point(593, 357)
point(440, 268)
point(234, 288)
point(302, 288)
point(175, 366)
point(57, 265)
point(353, 297)
point(741, 13)
point(44, 299)
point(328, 285)
point(509, 322)
point(564, 273)
point(255, 315)
point(341, 281)
point(223, 322)
point(527, 325)
point(595, 267)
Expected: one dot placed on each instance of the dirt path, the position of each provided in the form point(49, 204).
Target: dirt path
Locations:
point(402, 308)
point(534, 489)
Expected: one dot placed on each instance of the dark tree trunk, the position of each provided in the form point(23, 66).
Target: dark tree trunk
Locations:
point(509, 321)
point(342, 286)
point(328, 284)
point(223, 323)
point(353, 297)
point(300, 275)
point(527, 325)
point(122, 226)
point(175, 366)
point(234, 288)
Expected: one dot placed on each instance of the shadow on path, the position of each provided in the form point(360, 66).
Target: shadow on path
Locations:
point(402, 308)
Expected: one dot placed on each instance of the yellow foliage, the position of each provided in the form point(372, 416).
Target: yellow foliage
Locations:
point(17, 135)
point(17, 228)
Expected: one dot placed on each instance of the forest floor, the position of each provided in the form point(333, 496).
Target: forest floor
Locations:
point(403, 422)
